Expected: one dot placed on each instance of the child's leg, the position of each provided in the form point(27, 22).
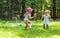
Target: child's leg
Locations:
point(30, 24)
point(43, 26)
point(47, 22)
point(26, 25)
point(47, 26)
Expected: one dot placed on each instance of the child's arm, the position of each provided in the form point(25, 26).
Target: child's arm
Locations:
point(30, 16)
point(24, 14)
point(49, 17)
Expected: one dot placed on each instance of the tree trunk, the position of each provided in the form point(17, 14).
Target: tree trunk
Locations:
point(32, 14)
point(23, 9)
point(54, 9)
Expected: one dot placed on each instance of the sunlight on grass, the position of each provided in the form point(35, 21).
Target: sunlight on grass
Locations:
point(55, 36)
point(11, 29)
point(7, 34)
point(55, 24)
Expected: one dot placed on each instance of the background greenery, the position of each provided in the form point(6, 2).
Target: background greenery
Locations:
point(11, 29)
point(9, 9)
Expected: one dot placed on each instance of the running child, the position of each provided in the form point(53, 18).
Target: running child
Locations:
point(27, 17)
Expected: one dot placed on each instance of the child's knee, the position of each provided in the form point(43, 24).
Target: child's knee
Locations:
point(26, 23)
point(31, 23)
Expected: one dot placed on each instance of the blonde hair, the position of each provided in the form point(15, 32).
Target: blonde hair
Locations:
point(47, 11)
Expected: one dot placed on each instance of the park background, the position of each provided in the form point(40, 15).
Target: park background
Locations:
point(11, 15)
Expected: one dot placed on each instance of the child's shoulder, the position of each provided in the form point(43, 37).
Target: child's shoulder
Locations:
point(45, 15)
point(29, 14)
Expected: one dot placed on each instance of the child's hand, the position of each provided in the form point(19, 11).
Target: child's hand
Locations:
point(34, 17)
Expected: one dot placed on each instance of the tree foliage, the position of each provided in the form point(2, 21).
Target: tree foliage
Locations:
point(16, 8)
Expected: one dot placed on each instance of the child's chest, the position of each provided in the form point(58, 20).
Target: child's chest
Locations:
point(46, 17)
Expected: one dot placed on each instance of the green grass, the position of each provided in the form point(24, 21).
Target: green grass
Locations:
point(10, 29)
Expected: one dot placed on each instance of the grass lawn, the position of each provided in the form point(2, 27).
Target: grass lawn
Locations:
point(10, 29)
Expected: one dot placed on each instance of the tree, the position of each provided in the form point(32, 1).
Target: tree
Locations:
point(23, 9)
point(32, 5)
point(54, 9)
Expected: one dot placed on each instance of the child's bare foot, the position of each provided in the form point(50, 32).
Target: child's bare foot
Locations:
point(46, 26)
point(43, 26)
